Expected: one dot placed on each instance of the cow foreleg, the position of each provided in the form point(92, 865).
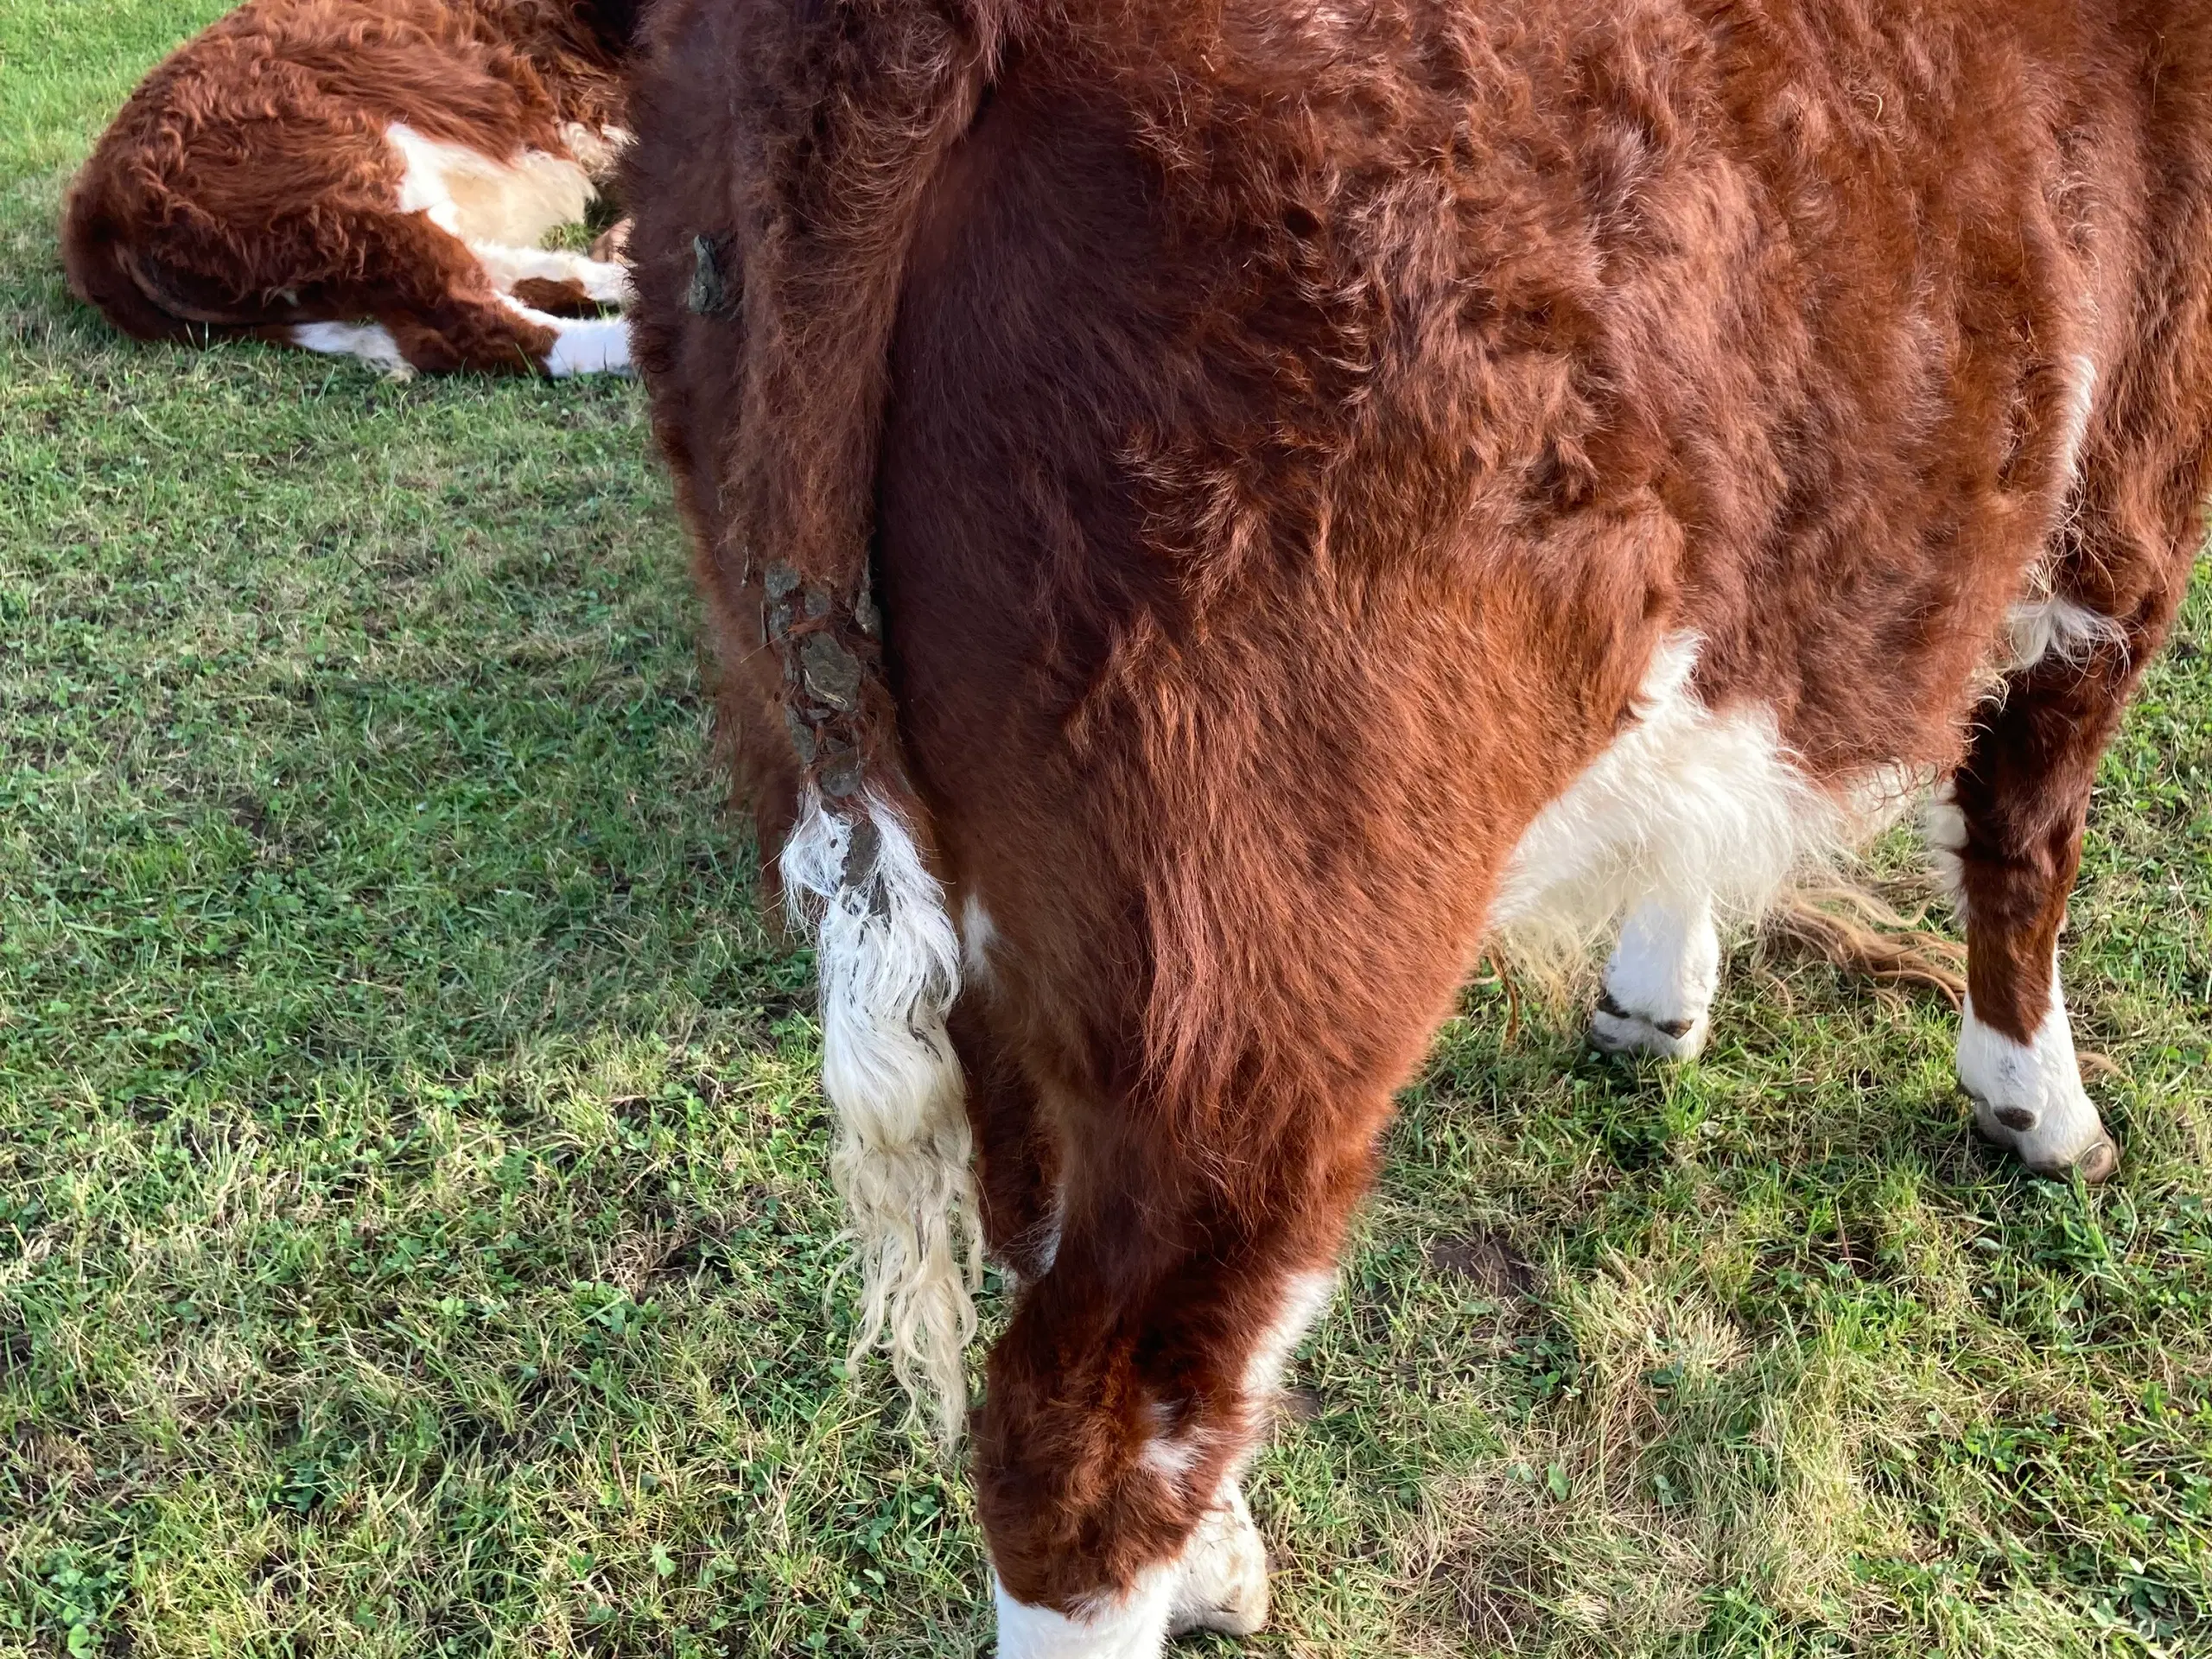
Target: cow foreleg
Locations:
point(1660, 981)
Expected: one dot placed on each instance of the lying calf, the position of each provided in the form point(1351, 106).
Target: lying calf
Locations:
point(366, 176)
point(1242, 500)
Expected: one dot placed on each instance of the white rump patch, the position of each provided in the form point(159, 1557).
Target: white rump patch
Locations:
point(888, 962)
point(1688, 807)
point(2028, 1096)
point(370, 341)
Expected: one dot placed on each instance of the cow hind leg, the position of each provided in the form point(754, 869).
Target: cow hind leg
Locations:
point(425, 302)
point(2006, 831)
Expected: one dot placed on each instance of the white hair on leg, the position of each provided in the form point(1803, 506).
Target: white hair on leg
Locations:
point(601, 279)
point(1660, 981)
point(2028, 1096)
point(1134, 1626)
point(1222, 1582)
point(888, 962)
point(1943, 826)
point(370, 341)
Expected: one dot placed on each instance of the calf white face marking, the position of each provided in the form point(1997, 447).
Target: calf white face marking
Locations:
point(1218, 1582)
point(1660, 981)
point(2028, 1096)
point(1709, 808)
point(370, 341)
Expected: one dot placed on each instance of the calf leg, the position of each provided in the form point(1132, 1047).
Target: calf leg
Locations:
point(1660, 981)
point(1136, 1377)
point(436, 309)
point(2007, 830)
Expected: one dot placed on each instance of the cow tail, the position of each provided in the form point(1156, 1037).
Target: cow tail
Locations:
point(859, 101)
point(888, 962)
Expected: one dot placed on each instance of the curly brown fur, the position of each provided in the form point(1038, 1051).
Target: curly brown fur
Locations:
point(248, 185)
point(1277, 438)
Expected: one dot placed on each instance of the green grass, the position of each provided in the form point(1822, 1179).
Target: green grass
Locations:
point(414, 1235)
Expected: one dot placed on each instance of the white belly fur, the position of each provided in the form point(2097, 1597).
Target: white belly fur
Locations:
point(1687, 807)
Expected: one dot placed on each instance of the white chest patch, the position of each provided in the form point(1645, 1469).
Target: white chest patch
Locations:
point(1686, 806)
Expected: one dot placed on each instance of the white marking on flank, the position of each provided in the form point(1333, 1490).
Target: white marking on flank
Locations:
point(1686, 801)
point(483, 200)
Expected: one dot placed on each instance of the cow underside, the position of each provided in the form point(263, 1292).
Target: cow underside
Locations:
point(1390, 490)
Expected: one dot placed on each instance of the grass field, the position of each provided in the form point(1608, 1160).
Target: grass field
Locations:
point(414, 1231)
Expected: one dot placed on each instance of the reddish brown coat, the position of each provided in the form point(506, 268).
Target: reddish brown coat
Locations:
point(1283, 433)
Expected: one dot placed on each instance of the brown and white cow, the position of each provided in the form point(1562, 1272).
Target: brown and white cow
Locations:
point(370, 177)
point(1234, 502)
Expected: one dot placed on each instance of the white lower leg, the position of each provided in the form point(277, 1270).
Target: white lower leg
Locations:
point(592, 345)
point(1132, 1627)
point(600, 279)
point(370, 341)
point(1222, 1572)
point(2028, 1096)
point(1660, 981)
